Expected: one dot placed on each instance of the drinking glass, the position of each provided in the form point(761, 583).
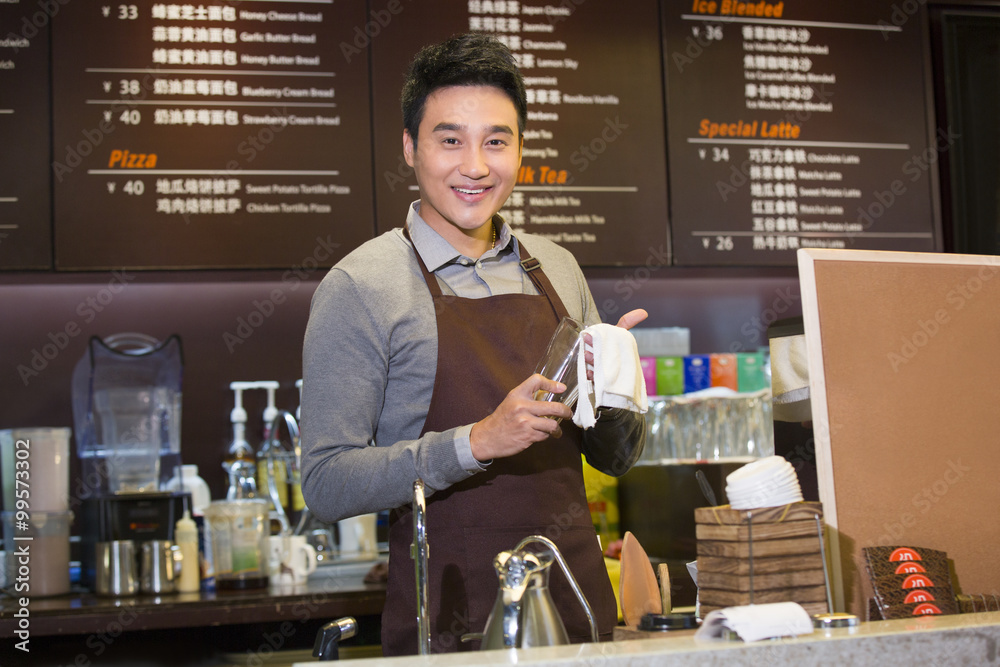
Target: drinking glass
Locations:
point(560, 360)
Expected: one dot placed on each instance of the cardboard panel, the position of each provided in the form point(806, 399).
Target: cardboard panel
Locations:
point(904, 355)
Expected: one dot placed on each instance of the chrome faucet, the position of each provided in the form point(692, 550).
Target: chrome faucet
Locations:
point(273, 451)
point(419, 553)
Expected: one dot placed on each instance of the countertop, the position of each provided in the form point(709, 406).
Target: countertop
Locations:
point(333, 591)
point(964, 639)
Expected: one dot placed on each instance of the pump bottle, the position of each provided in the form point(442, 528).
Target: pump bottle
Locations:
point(240, 465)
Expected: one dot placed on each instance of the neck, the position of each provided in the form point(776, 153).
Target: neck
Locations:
point(471, 242)
point(480, 241)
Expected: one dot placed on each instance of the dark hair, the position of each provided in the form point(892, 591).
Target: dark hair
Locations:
point(472, 59)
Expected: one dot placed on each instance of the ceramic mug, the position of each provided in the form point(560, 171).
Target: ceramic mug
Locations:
point(358, 539)
point(292, 559)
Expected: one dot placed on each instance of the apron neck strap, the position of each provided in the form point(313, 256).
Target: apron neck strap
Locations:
point(529, 264)
point(533, 268)
point(432, 283)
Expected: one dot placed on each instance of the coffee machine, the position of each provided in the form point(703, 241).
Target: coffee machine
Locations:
point(127, 411)
point(135, 518)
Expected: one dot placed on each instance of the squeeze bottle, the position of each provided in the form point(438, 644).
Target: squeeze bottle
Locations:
point(186, 536)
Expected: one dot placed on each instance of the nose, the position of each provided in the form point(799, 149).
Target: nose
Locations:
point(474, 163)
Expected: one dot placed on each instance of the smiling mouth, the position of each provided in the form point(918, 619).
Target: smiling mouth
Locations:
point(466, 191)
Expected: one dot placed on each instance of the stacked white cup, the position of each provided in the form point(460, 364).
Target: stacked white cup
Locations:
point(767, 482)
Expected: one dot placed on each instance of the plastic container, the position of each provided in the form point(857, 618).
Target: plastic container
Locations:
point(189, 481)
point(239, 532)
point(662, 341)
point(44, 454)
point(133, 421)
point(38, 567)
point(127, 400)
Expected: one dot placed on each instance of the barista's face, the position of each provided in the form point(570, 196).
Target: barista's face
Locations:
point(466, 158)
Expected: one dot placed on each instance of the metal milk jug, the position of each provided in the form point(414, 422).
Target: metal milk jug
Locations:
point(524, 614)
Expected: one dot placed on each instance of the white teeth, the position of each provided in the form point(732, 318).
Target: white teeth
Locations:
point(471, 192)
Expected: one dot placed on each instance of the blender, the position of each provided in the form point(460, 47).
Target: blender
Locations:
point(127, 412)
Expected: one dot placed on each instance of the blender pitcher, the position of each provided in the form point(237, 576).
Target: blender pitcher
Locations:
point(127, 411)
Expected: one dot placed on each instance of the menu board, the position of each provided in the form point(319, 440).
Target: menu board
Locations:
point(25, 206)
point(593, 173)
point(218, 134)
point(797, 124)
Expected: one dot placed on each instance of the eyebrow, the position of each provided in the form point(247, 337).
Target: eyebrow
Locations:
point(456, 127)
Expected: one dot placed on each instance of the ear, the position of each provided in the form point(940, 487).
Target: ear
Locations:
point(408, 148)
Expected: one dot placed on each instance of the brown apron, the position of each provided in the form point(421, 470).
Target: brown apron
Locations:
point(486, 347)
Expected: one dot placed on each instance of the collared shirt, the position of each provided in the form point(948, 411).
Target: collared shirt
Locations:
point(496, 271)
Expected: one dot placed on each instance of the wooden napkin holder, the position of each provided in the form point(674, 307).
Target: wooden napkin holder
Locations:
point(757, 556)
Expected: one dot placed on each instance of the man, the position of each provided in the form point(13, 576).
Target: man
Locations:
point(418, 363)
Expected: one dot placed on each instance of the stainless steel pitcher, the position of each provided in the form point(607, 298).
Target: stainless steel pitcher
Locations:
point(524, 614)
point(159, 566)
point(117, 572)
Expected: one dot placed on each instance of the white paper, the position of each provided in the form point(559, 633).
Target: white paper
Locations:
point(758, 621)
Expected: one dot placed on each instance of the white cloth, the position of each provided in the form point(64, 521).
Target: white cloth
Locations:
point(758, 621)
point(618, 380)
point(790, 379)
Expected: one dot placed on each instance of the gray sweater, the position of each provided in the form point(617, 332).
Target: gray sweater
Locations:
point(369, 361)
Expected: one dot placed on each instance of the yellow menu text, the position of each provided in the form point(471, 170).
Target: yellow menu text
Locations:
point(734, 8)
point(123, 159)
point(749, 129)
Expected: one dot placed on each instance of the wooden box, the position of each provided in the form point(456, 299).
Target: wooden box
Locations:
point(779, 546)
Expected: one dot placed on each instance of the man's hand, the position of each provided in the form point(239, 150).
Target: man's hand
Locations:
point(519, 421)
point(632, 318)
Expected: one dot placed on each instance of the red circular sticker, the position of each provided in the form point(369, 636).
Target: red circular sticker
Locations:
point(918, 581)
point(904, 553)
point(909, 568)
point(918, 595)
point(926, 608)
